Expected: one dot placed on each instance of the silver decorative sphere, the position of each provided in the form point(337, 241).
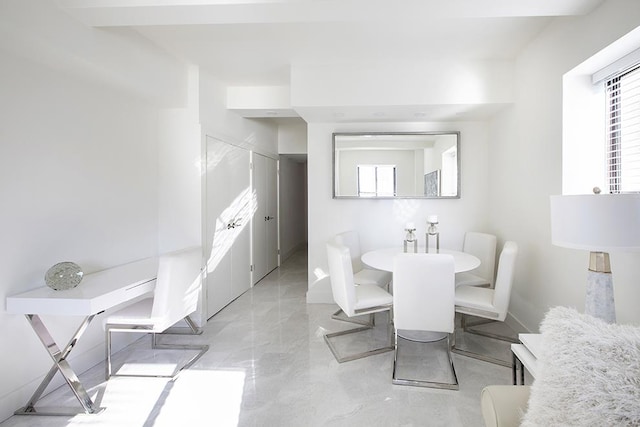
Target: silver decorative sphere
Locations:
point(64, 275)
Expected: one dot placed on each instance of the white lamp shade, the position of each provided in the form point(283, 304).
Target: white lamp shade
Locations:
point(596, 222)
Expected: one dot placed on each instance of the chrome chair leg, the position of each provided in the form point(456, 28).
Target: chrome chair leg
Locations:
point(201, 349)
point(465, 327)
point(422, 383)
point(344, 318)
point(192, 329)
point(342, 359)
point(470, 327)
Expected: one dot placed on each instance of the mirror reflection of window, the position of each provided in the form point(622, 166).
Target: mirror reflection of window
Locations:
point(376, 180)
point(449, 174)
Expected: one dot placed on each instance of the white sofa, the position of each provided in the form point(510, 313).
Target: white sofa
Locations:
point(504, 405)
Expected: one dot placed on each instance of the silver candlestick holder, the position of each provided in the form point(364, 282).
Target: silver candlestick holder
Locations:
point(410, 241)
point(433, 233)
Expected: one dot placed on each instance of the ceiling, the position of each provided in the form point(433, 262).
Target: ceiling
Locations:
point(255, 42)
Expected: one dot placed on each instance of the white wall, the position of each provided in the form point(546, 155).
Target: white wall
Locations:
point(381, 223)
point(526, 167)
point(253, 134)
point(292, 137)
point(78, 180)
point(179, 180)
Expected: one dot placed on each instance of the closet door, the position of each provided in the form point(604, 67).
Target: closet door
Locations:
point(227, 215)
point(265, 223)
point(240, 186)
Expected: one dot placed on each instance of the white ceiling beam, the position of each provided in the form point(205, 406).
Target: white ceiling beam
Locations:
point(100, 13)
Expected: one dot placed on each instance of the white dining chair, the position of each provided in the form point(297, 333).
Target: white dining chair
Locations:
point(423, 300)
point(175, 297)
point(361, 274)
point(482, 246)
point(489, 304)
point(354, 300)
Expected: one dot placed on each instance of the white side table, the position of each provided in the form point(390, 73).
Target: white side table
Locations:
point(525, 355)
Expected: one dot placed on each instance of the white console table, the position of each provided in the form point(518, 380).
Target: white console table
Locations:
point(525, 355)
point(96, 293)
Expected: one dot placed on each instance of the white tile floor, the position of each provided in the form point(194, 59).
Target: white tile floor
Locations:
point(268, 365)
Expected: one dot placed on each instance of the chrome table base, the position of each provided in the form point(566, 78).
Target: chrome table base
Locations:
point(61, 365)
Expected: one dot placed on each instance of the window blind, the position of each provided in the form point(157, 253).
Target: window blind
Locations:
point(623, 136)
point(616, 68)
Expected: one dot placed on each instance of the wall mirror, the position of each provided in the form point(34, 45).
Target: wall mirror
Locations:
point(396, 165)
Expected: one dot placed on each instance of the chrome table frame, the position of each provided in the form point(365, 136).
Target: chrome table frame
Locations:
point(61, 365)
point(96, 293)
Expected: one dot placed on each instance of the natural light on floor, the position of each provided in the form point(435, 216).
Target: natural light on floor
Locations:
point(198, 396)
point(195, 397)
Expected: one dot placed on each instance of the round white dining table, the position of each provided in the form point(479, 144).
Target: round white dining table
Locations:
point(382, 259)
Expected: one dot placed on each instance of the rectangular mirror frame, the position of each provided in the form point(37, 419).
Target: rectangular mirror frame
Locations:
point(391, 135)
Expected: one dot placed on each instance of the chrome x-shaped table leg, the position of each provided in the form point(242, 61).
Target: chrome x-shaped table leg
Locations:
point(61, 365)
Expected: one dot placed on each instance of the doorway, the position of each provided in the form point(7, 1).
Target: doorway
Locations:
point(292, 202)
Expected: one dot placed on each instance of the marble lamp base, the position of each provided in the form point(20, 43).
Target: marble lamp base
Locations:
point(599, 301)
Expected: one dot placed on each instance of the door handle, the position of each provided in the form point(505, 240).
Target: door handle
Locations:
point(234, 224)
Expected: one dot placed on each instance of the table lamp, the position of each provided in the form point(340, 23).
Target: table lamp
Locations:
point(599, 223)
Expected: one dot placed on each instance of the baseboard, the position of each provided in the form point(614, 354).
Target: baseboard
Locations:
point(515, 324)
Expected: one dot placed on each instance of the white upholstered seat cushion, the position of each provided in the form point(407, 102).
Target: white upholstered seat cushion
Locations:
point(368, 276)
point(469, 279)
point(475, 297)
point(138, 313)
point(368, 296)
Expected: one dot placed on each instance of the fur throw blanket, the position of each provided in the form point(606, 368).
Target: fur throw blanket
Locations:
point(588, 373)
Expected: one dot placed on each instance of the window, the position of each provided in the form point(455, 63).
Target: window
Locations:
point(623, 131)
point(450, 172)
point(376, 180)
